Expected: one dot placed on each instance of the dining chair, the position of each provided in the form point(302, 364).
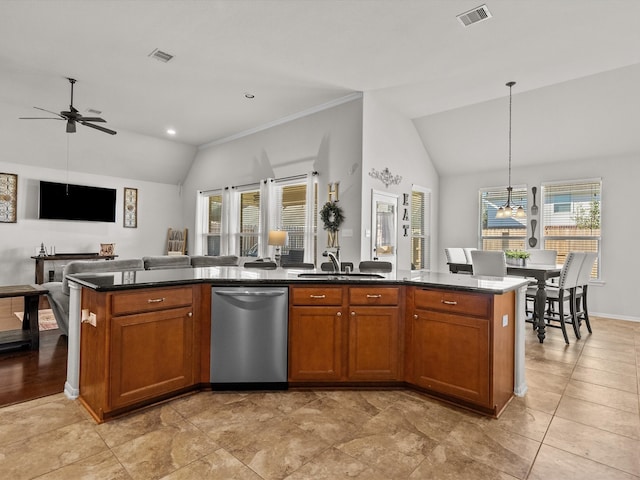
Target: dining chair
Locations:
point(582, 312)
point(489, 263)
point(542, 257)
point(559, 296)
point(455, 255)
point(467, 254)
point(374, 266)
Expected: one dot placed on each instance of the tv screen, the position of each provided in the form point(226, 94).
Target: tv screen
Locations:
point(63, 201)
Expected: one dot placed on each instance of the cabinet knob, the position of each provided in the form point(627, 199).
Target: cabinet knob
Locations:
point(190, 314)
point(339, 314)
point(415, 315)
point(353, 314)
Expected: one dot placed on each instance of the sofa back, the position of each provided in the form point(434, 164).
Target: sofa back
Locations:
point(90, 266)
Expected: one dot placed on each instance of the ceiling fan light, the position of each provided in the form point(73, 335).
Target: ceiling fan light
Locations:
point(71, 126)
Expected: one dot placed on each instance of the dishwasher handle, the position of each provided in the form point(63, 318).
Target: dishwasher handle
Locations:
point(266, 293)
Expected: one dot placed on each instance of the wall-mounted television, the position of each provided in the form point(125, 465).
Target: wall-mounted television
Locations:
point(65, 201)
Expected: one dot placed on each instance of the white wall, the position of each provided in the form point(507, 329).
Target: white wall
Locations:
point(391, 140)
point(329, 141)
point(617, 296)
point(159, 207)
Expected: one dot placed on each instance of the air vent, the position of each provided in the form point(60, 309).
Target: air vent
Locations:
point(160, 55)
point(474, 16)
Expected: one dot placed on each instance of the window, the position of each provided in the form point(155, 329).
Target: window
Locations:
point(291, 216)
point(571, 218)
point(502, 233)
point(214, 224)
point(420, 228)
point(248, 236)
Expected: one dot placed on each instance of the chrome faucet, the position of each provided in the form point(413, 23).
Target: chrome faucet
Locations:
point(334, 260)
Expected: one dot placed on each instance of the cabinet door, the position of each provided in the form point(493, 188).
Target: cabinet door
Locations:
point(150, 355)
point(315, 344)
point(373, 343)
point(451, 355)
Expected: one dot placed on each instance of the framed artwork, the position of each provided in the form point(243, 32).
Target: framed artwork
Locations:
point(130, 218)
point(8, 197)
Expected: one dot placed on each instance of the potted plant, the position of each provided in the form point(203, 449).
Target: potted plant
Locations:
point(516, 257)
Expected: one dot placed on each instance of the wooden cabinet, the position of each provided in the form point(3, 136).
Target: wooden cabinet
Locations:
point(461, 345)
point(344, 334)
point(145, 344)
point(373, 333)
point(315, 333)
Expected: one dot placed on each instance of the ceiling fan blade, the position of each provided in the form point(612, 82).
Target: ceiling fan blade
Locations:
point(102, 129)
point(71, 126)
point(48, 111)
point(39, 118)
point(91, 119)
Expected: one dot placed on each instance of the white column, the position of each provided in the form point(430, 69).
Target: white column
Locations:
point(72, 385)
point(520, 382)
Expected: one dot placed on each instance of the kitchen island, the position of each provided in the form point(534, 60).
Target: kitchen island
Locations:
point(456, 337)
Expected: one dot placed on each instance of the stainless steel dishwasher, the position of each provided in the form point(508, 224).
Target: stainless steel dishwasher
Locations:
point(249, 337)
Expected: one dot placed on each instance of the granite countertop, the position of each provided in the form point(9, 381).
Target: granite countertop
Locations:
point(117, 281)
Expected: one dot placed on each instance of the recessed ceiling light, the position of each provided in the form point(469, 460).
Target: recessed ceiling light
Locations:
point(171, 131)
point(249, 95)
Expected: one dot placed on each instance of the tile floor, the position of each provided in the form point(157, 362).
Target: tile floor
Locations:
point(580, 419)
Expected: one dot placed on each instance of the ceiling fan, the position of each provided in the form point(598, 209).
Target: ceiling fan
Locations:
point(73, 116)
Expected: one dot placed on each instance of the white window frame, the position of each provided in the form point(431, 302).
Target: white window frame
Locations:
point(548, 240)
point(519, 197)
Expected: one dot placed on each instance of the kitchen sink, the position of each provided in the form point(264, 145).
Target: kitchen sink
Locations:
point(340, 276)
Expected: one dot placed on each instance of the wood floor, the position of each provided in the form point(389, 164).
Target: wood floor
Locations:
point(26, 374)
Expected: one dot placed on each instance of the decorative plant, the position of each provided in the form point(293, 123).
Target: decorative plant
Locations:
point(516, 254)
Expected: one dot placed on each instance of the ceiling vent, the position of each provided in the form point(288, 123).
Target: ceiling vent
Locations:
point(474, 16)
point(160, 55)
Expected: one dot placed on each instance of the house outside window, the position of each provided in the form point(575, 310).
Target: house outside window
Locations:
point(571, 218)
point(420, 228)
point(502, 233)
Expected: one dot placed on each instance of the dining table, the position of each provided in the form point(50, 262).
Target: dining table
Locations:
point(541, 273)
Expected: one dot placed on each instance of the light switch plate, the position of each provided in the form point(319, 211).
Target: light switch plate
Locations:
point(505, 320)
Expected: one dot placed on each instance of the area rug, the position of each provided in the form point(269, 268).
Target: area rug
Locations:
point(45, 318)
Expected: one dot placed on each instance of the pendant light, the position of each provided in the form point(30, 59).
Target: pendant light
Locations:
point(508, 209)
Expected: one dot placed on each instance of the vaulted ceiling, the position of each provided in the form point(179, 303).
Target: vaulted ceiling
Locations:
point(576, 64)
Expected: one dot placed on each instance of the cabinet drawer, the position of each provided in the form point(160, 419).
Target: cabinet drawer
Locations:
point(374, 295)
point(316, 295)
point(149, 300)
point(453, 302)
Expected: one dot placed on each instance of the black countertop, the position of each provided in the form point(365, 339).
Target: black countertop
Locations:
point(236, 276)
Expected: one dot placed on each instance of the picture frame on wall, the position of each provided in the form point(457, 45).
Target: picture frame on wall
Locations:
point(130, 217)
point(8, 197)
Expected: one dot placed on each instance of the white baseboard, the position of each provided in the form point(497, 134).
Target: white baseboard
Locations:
point(615, 317)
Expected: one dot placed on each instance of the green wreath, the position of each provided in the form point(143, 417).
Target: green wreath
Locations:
point(332, 216)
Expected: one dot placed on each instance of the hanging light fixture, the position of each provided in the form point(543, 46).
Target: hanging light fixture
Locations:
point(508, 209)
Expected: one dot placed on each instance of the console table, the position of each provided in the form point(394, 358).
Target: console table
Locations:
point(30, 332)
point(41, 259)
